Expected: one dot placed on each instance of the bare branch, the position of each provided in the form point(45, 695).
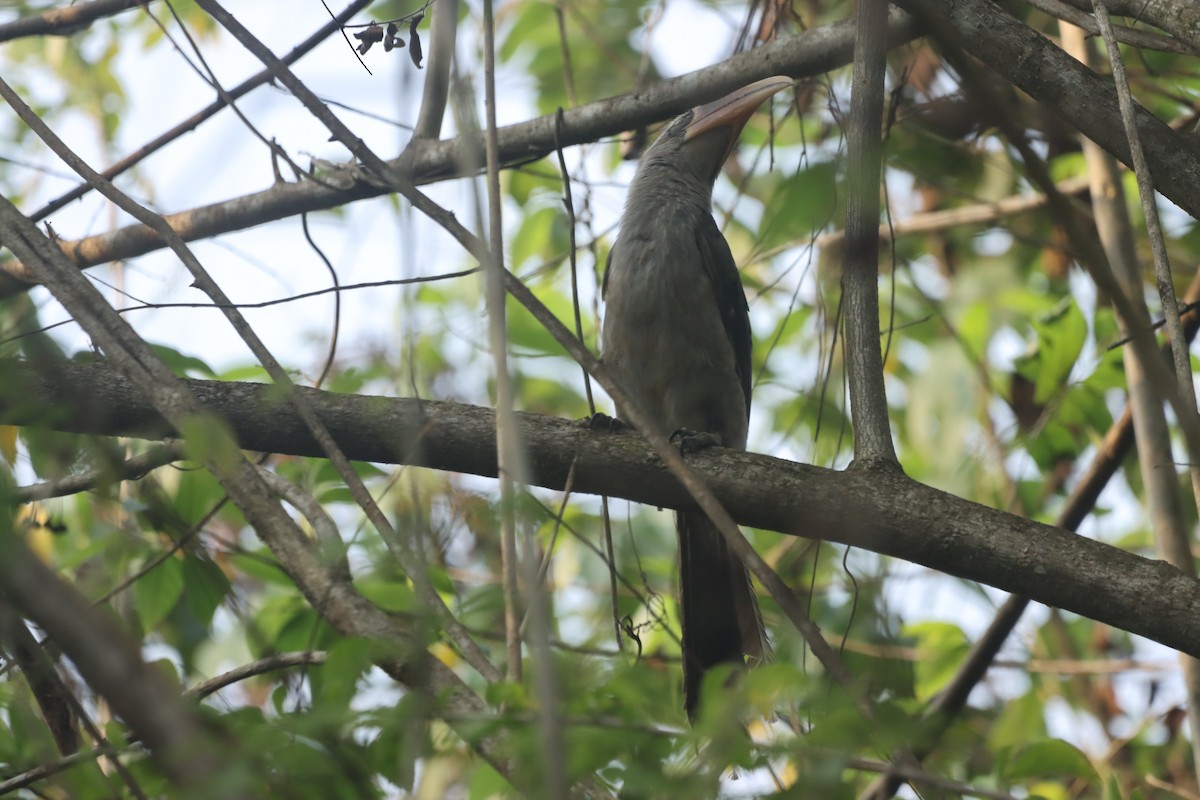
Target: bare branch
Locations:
point(1180, 18)
point(194, 121)
point(65, 21)
point(443, 33)
point(111, 663)
point(1081, 98)
point(860, 278)
point(979, 214)
point(885, 513)
point(1171, 532)
point(1137, 37)
point(426, 161)
point(262, 666)
point(49, 770)
point(130, 469)
point(41, 673)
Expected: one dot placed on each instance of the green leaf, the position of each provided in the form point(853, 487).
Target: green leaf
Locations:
point(801, 205)
point(1061, 334)
point(181, 364)
point(210, 439)
point(391, 594)
point(1020, 721)
point(206, 587)
point(1052, 758)
point(157, 592)
point(942, 647)
point(348, 660)
point(541, 237)
point(262, 567)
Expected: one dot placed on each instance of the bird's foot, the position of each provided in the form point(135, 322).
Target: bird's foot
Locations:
point(689, 441)
point(605, 423)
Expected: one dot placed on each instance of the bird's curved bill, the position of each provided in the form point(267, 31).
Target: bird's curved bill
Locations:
point(735, 108)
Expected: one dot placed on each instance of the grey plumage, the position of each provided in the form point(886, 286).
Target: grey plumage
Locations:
point(676, 337)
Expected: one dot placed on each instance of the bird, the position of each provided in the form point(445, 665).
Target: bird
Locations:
point(676, 338)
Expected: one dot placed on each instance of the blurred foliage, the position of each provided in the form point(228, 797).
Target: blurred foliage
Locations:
point(1001, 382)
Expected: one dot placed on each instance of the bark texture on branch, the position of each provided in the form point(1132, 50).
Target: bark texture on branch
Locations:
point(1180, 18)
point(875, 509)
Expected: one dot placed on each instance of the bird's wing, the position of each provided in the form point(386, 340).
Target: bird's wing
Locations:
point(608, 262)
point(723, 273)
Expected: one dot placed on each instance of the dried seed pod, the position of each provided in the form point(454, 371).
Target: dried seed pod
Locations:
point(415, 41)
point(372, 34)
point(392, 41)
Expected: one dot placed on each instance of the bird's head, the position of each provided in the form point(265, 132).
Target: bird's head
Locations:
point(697, 142)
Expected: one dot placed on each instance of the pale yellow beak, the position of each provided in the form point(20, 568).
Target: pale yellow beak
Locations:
point(735, 108)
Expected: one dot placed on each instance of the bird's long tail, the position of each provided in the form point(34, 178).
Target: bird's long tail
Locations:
point(721, 620)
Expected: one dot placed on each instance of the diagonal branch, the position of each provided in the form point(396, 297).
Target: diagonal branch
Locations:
point(385, 174)
point(332, 596)
point(1137, 37)
point(1180, 18)
point(109, 660)
point(192, 122)
point(427, 161)
point(1171, 531)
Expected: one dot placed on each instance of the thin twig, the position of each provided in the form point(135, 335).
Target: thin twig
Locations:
point(569, 204)
point(443, 33)
point(469, 649)
point(1171, 532)
point(804, 55)
point(263, 303)
point(336, 289)
point(546, 686)
point(931, 221)
point(507, 447)
point(31, 776)
point(1147, 40)
point(130, 469)
point(262, 666)
point(192, 122)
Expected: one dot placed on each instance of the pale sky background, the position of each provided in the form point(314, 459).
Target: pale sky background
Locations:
point(220, 161)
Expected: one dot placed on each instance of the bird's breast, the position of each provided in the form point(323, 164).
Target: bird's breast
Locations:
point(663, 336)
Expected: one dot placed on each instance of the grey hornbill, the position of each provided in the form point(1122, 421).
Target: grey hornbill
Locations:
point(676, 338)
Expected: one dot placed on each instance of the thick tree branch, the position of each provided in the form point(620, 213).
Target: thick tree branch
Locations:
point(1080, 97)
point(1137, 37)
point(1109, 456)
point(877, 510)
point(65, 21)
point(1180, 18)
point(427, 161)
